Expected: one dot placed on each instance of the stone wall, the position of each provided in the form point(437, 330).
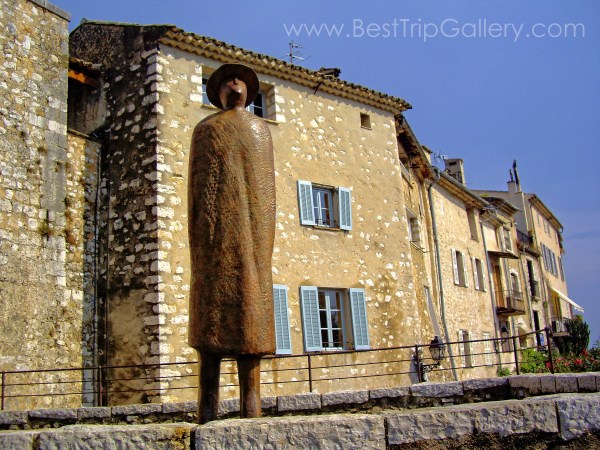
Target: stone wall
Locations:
point(467, 309)
point(40, 272)
point(524, 411)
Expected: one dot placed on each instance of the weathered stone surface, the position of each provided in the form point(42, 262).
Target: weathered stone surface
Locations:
point(344, 397)
point(268, 402)
point(53, 414)
point(136, 410)
point(181, 407)
point(97, 412)
point(516, 417)
point(429, 424)
point(577, 414)
point(334, 431)
point(21, 440)
point(158, 436)
point(548, 384)
point(586, 382)
point(484, 383)
point(389, 392)
point(566, 382)
point(525, 384)
point(298, 402)
point(437, 389)
point(230, 405)
point(13, 417)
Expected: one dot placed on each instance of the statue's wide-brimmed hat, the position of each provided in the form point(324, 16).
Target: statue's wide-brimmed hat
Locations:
point(227, 72)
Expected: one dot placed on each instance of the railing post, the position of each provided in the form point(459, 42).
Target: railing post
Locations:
point(2, 390)
point(310, 383)
point(100, 393)
point(514, 344)
point(418, 364)
point(548, 344)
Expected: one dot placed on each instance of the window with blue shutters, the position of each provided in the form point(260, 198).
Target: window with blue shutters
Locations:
point(325, 206)
point(334, 319)
point(283, 339)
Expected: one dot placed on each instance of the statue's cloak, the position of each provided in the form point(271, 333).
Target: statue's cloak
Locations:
point(231, 207)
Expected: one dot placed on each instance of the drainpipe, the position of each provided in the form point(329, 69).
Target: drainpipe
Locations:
point(439, 268)
point(491, 288)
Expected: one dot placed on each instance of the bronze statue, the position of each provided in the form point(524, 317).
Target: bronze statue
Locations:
point(231, 214)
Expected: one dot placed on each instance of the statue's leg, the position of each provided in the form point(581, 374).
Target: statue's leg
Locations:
point(249, 375)
point(210, 372)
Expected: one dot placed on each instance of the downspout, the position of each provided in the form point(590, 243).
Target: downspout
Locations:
point(492, 291)
point(439, 269)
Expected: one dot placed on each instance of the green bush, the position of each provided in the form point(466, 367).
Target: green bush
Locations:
point(503, 371)
point(533, 361)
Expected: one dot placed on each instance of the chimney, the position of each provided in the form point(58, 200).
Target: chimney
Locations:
point(454, 168)
point(514, 185)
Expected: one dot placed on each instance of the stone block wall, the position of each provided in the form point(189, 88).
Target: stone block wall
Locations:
point(466, 308)
point(40, 289)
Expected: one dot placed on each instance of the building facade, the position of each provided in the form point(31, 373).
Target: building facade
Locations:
point(375, 248)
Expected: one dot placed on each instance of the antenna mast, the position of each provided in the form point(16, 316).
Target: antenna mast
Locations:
point(292, 55)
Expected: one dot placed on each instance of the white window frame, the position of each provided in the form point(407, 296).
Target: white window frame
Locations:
point(353, 313)
point(459, 267)
point(340, 209)
point(479, 275)
point(487, 348)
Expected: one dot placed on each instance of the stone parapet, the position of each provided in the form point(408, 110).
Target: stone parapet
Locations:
point(559, 419)
point(418, 396)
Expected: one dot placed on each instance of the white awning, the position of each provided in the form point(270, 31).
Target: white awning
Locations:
point(567, 299)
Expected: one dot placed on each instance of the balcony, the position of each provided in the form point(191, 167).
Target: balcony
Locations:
point(511, 303)
point(526, 243)
point(559, 327)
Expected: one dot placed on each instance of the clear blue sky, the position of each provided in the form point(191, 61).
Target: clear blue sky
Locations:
point(489, 81)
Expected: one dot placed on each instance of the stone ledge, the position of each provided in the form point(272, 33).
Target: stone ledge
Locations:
point(345, 431)
point(345, 398)
point(560, 417)
point(374, 401)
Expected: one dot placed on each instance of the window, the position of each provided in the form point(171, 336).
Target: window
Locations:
point(479, 275)
point(414, 228)
point(506, 239)
point(334, 319)
point(487, 348)
point(464, 349)
point(460, 268)
point(562, 270)
point(205, 100)
point(325, 206)
point(365, 121)
point(258, 106)
point(472, 223)
point(283, 340)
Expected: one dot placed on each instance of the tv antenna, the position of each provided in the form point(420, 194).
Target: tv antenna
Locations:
point(294, 56)
point(437, 156)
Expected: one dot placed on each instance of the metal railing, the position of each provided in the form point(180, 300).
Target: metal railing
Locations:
point(310, 372)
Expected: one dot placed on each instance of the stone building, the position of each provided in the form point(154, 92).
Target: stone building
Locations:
point(41, 196)
point(540, 242)
point(375, 247)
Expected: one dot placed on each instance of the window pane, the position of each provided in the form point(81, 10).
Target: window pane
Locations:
point(337, 337)
point(336, 319)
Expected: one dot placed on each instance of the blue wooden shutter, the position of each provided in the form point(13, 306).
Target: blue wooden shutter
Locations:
point(283, 339)
point(305, 201)
point(310, 319)
point(345, 208)
point(360, 325)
